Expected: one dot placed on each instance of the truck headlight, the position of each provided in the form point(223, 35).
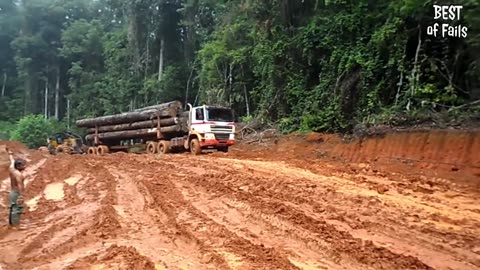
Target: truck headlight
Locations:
point(232, 136)
point(209, 136)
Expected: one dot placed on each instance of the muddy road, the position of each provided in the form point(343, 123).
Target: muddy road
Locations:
point(230, 211)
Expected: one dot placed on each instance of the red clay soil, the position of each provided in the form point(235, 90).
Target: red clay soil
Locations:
point(457, 150)
point(449, 154)
point(298, 203)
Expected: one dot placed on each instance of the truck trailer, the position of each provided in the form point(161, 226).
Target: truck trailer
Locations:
point(162, 128)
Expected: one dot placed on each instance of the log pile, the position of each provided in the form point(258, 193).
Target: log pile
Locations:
point(166, 119)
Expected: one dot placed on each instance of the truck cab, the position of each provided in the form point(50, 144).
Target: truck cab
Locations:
point(212, 126)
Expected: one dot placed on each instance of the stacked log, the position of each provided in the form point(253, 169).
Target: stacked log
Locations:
point(136, 125)
point(128, 117)
point(168, 118)
point(177, 105)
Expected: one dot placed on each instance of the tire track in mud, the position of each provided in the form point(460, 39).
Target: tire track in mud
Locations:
point(258, 228)
point(219, 246)
point(145, 223)
point(340, 245)
point(184, 212)
point(271, 193)
point(381, 224)
point(64, 223)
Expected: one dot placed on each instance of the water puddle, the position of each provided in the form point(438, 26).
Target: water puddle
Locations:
point(54, 192)
point(73, 180)
point(32, 203)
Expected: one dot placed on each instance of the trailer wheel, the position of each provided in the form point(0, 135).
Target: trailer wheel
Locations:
point(92, 150)
point(164, 147)
point(152, 147)
point(102, 150)
point(195, 147)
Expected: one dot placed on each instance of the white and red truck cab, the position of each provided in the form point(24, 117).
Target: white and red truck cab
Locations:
point(210, 127)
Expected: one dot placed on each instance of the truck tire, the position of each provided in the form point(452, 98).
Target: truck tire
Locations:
point(152, 147)
point(102, 150)
point(92, 151)
point(195, 147)
point(164, 147)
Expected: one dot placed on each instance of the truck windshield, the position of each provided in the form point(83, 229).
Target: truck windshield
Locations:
point(219, 114)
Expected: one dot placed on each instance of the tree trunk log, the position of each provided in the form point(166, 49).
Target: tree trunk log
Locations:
point(136, 125)
point(172, 104)
point(128, 117)
point(132, 134)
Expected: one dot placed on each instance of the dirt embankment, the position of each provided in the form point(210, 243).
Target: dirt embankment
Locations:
point(442, 149)
point(448, 154)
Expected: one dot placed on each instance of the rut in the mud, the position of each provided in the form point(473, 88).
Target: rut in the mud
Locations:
point(126, 211)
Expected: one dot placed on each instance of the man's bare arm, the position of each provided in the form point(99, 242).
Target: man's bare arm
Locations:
point(19, 177)
point(12, 161)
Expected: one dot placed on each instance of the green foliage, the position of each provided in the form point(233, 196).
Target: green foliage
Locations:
point(306, 65)
point(287, 125)
point(246, 119)
point(6, 129)
point(33, 130)
point(173, 83)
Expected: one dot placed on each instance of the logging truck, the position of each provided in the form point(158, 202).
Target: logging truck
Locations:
point(162, 128)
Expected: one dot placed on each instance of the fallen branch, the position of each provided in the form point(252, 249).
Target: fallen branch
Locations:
point(464, 105)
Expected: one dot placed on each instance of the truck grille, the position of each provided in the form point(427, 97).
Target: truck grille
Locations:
point(222, 137)
point(226, 129)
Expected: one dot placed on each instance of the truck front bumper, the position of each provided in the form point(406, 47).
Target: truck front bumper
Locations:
point(215, 143)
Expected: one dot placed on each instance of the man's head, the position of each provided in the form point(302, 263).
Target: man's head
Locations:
point(20, 164)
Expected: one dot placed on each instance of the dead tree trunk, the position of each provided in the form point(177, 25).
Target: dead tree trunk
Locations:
point(46, 98)
point(245, 93)
point(4, 85)
point(57, 95)
point(188, 82)
point(160, 61)
point(415, 73)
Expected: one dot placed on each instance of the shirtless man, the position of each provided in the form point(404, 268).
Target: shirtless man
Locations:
point(17, 166)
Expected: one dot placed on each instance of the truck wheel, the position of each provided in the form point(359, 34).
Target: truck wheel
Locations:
point(164, 147)
point(92, 151)
point(152, 147)
point(195, 147)
point(223, 149)
point(102, 150)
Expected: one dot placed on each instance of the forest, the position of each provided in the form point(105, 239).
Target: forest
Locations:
point(321, 65)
